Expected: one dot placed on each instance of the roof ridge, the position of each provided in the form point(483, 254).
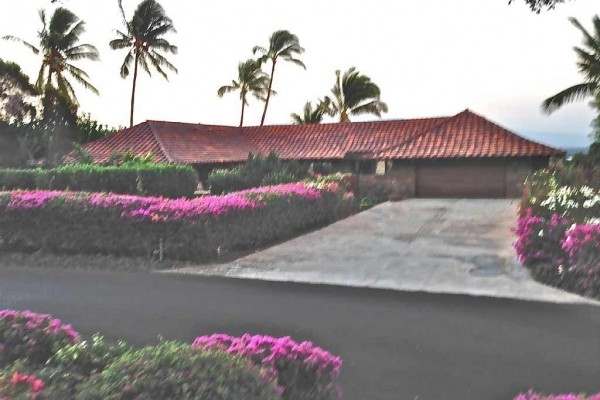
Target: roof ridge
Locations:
point(423, 132)
point(161, 145)
point(514, 133)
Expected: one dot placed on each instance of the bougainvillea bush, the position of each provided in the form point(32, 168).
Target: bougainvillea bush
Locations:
point(18, 386)
point(176, 371)
point(536, 396)
point(302, 371)
point(25, 335)
point(192, 229)
point(558, 232)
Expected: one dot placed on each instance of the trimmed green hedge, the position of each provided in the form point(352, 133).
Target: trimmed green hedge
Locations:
point(142, 179)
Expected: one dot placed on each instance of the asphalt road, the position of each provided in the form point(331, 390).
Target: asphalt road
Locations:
point(394, 345)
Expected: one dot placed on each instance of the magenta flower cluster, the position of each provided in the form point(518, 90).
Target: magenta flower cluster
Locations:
point(162, 209)
point(535, 396)
point(539, 239)
point(581, 239)
point(269, 350)
point(38, 322)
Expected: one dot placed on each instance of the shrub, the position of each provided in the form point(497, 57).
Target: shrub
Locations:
point(144, 179)
point(32, 337)
point(536, 396)
point(539, 240)
point(196, 229)
point(302, 370)
point(74, 364)
point(256, 171)
point(18, 386)
point(177, 371)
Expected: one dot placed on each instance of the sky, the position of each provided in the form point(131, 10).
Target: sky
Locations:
point(429, 57)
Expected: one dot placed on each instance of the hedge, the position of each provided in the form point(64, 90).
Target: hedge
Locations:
point(197, 229)
point(142, 179)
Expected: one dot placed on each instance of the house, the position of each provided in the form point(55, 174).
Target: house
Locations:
point(464, 155)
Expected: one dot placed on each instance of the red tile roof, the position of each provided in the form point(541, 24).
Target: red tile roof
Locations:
point(463, 135)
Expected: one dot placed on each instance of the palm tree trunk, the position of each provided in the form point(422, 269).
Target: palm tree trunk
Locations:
point(135, 73)
point(243, 107)
point(262, 120)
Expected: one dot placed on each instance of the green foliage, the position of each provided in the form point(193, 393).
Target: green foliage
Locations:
point(366, 202)
point(127, 157)
point(92, 130)
point(16, 93)
point(354, 94)
point(173, 370)
point(251, 80)
point(73, 365)
point(312, 115)
point(255, 172)
point(132, 178)
point(538, 5)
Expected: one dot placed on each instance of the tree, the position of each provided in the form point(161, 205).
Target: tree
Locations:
point(539, 5)
point(59, 44)
point(311, 115)
point(355, 94)
point(251, 79)
point(144, 39)
point(284, 45)
point(589, 67)
point(16, 93)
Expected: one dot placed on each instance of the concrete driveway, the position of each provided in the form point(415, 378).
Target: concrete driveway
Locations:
point(440, 246)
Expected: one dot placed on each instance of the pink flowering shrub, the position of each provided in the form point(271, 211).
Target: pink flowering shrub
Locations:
point(31, 337)
point(536, 396)
point(539, 239)
point(197, 229)
point(18, 386)
point(302, 370)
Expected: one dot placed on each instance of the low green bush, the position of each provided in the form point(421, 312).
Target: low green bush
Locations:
point(132, 178)
point(255, 172)
point(176, 371)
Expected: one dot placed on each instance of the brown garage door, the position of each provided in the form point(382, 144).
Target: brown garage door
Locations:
point(462, 178)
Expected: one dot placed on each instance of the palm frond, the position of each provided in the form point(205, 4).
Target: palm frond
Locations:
point(125, 66)
point(31, 47)
point(81, 77)
point(569, 95)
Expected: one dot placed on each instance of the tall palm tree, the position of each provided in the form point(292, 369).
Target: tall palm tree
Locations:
point(59, 44)
point(311, 115)
point(284, 45)
point(355, 94)
point(589, 67)
point(143, 37)
point(251, 79)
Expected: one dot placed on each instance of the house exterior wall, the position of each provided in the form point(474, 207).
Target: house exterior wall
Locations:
point(517, 170)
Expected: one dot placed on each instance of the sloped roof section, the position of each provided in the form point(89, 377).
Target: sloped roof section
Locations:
point(466, 135)
point(461, 136)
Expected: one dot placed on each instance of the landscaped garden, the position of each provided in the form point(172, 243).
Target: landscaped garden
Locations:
point(195, 229)
point(559, 227)
point(42, 358)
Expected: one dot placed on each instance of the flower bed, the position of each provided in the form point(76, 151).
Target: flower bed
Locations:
point(214, 367)
point(186, 229)
point(536, 396)
point(558, 234)
point(301, 370)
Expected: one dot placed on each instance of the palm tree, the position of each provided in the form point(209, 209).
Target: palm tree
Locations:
point(59, 45)
point(589, 66)
point(284, 45)
point(251, 79)
point(355, 94)
point(143, 37)
point(311, 115)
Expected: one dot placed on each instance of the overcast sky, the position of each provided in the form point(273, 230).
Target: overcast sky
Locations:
point(429, 57)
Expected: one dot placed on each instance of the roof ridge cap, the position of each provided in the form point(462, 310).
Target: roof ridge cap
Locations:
point(161, 145)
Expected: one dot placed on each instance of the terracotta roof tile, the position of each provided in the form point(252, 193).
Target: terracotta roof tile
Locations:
point(463, 135)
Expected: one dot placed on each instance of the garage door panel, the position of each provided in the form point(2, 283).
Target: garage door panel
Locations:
point(461, 179)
